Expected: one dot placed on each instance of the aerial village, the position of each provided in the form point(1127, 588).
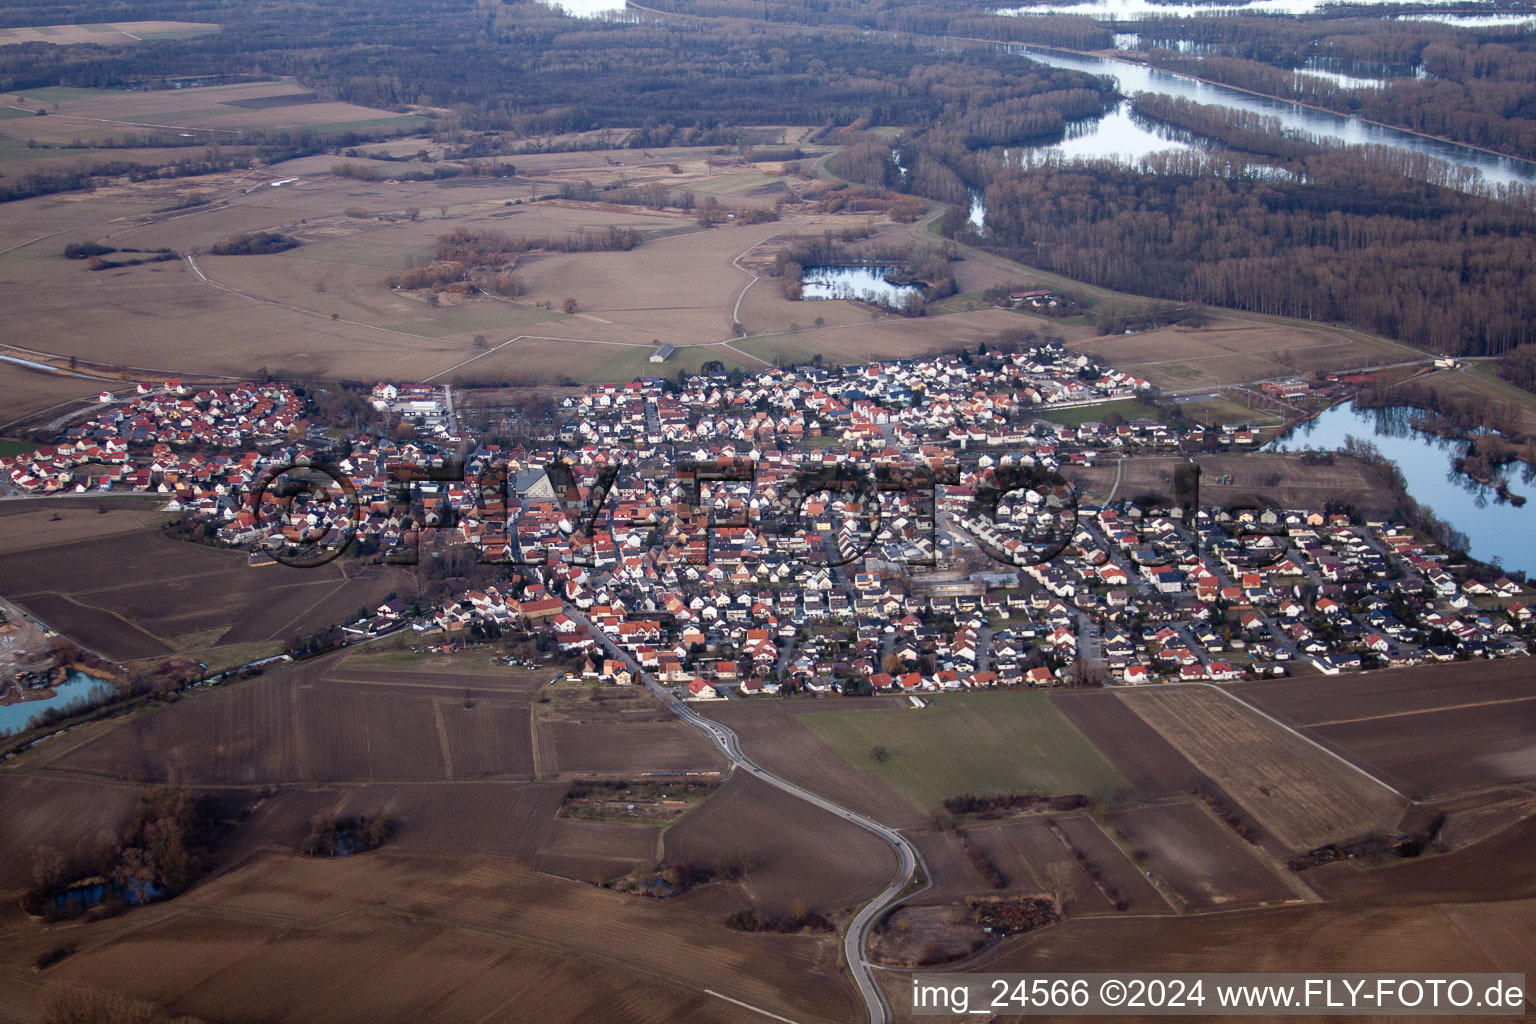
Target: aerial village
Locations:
point(667, 527)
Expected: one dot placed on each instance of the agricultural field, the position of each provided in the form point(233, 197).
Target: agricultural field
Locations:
point(1492, 868)
point(322, 309)
point(1130, 410)
point(590, 729)
point(47, 809)
point(1318, 938)
point(1439, 729)
point(1481, 382)
point(24, 526)
point(1206, 864)
point(216, 113)
point(796, 851)
point(464, 936)
point(1468, 910)
point(1234, 349)
point(1219, 411)
point(1039, 855)
point(443, 744)
point(116, 32)
point(134, 593)
point(1116, 873)
point(951, 870)
point(1302, 795)
point(1147, 761)
point(779, 739)
point(591, 851)
point(970, 743)
point(323, 722)
point(26, 392)
point(871, 335)
point(1269, 478)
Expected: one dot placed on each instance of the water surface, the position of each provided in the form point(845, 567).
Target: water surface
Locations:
point(1494, 529)
point(866, 283)
point(1122, 138)
point(77, 688)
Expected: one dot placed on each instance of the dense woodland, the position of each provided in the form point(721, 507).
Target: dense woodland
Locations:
point(1352, 243)
point(524, 68)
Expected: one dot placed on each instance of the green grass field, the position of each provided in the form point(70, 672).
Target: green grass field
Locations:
point(964, 302)
point(9, 447)
point(1214, 412)
point(1076, 417)
point(971, 743)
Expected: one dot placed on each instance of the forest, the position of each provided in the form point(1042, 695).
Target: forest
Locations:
point(1350, 243)
point(524, 68)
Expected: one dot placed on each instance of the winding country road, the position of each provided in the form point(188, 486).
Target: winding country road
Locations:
point(910, 866)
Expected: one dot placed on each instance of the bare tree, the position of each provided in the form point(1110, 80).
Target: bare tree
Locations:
point(1059, 875)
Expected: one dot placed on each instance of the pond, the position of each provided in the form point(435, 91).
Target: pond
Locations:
point(77, 688)
point(1494, 529)
point(866, 283)
point(978, 217)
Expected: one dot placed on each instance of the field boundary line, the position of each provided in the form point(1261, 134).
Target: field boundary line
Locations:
point(1308, 739)
point(442, 740)
point(749, 1006)
point(1420, 711)
point(276, 634)
point(39, 238)
point(191, 262)
point(1292, 880)
point(528, 337)
point(533, 736)
point(736, 312)
point(136, 124)
point(745, 355)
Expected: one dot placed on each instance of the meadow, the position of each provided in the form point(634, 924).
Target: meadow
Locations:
point(970, 743)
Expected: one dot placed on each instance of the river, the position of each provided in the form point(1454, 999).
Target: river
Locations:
point(1117, 135)
point(1494, 529)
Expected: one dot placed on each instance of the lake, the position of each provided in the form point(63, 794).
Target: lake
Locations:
point(867, 283)
point(1494, 529)
point(77, 687)
point(1117, 135)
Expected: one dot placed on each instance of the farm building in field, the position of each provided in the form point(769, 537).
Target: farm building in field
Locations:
point(1036, 297)
point(662, 354)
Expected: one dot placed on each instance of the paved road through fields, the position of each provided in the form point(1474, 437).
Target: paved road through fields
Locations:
point(910, 864)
